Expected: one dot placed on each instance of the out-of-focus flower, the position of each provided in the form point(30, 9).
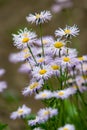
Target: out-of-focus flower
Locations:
point(3, 85)
point(21, 112)
point(67, 127)
point(2, 71)
point(39, 18)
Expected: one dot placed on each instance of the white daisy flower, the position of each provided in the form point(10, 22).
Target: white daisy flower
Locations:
point(3, 85)
point(21, 112)
point(67, 31)
point(25, 68)
point(38, 128)
point(55, 68)
point(82, 59)
point(2, 71)
point(37, 120)
point(39, 18)
point(68, 61)
point(44, 95)
point(57, 47)
point(62, 94)
point(41, 73)
point(47, 113)
point(47, 41)
point(67, 127)
point(23, 38)
point(33, 87)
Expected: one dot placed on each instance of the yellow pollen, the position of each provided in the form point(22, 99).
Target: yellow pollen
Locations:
point(46, 112)
point(66, 59)
point(65, 129)
point(41, 60)
point(67, 31)
point(26, 56)
point(58, 44)
point(38, 16)
point(61, 93)
point(25, 39)
point(45, 42)
point(55, 67)
point(42, 71)
point(80, 58)
point(34, 85)
point(26, 50)
point(44, 95)
point(20, 111)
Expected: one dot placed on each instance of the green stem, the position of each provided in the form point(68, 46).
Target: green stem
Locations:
point(41, 40)
point(32, 54)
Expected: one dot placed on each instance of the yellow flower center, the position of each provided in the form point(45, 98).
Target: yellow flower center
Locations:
point(85, 77)
point(58, 44)
point(55, 67)
point(80, 58)
point(26, 56)
point(38, 16)
point(25, 39)
point(65, 129)
point(46, 112)
point(45, 42)
point(26, 50)
point(66, 59)
point(41, 60)
point(67, 31)
point(42, 71)
point(20, 111)
point(44, 95)
point(34, 85)
point(61, 93)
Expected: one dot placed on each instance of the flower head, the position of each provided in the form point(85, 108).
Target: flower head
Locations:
point(21, 112)
point(39, 18)
point(67, 127)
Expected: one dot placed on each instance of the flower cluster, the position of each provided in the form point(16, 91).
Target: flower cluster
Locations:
point(58, 75)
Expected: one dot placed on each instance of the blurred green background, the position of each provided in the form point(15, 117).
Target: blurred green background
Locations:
point(12, 18)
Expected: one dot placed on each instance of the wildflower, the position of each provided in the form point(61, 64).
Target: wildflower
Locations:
point(33, 87)
point(23, 38)
point(47, 113)
point(68, 31)
point(38, 128)
point(21, 112)
point(44, 95)
point(2, 71)
point(47, 41)
point(39, 18)
point(62, 94)
point(42, 73)
point(55, 68)
point(36, 121)
point(67, 127)
point(57, 46)
point(3, 85)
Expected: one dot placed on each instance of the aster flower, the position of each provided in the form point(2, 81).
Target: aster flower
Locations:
point(41, 73)
point(67, 31)
point(39, 18)
point(38, 128)
point(62, 94)
point(57, 47)
point(21, 112)
point(44, 95)
point(2, 71)
point(47, 41)
point(33, 87)
point(67, 127)
point(3, 85)
point(47, 113)
point(23, 38)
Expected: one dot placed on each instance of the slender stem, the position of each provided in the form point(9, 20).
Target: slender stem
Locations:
point(32, 54)
point(41, 40)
